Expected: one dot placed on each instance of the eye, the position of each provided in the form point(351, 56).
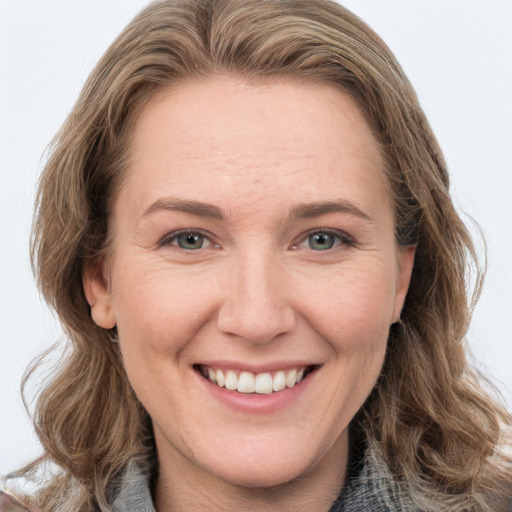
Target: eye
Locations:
point(324, 240)
point(321, 241)
point(188, 240)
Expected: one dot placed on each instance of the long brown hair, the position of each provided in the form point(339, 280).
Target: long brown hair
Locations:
point(436, 429)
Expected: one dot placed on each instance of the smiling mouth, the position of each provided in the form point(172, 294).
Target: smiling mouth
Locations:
point(264, 383)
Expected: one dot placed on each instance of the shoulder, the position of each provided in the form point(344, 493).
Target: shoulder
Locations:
point(10, 504)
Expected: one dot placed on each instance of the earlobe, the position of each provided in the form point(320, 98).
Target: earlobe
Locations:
point(405, 266)
point(98, 296)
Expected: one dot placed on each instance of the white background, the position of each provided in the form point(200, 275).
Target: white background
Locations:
point(457, 53)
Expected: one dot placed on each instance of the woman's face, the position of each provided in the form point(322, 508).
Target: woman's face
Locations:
point(253, 245)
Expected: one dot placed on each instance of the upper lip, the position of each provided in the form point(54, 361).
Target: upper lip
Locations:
point(256, 368)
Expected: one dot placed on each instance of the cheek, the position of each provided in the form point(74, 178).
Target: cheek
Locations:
point(157, 315)
point(353, 307)
point(159, 312)
point(156, 304)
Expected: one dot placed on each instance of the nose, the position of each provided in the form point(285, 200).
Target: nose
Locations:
point(256, 306)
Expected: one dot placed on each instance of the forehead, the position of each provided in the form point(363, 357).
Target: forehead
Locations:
point(225, 136)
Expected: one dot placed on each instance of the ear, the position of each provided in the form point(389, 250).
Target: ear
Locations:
point(405, 261)
point(97, 293)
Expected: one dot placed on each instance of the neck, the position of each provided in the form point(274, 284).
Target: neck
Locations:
point(183, 487)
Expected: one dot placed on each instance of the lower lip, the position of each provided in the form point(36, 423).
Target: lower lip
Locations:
point(256, 403)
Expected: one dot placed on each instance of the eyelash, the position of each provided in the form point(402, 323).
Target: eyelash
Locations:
point(343, 239)
point(170, 238)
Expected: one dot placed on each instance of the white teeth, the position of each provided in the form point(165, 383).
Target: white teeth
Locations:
point(291, 379)
point(279, 381)
point(231, 380)
point(247, 382)
point(219, 378)
point(263, 384)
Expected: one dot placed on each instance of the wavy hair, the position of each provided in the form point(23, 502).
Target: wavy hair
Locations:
point(437, 430)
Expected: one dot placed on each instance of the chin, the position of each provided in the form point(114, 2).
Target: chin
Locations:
point(256, 475)
point(264, 464)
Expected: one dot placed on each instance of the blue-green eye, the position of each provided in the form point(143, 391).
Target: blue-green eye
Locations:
point(187, 240)
point(321, 241)
point(324, 239)
point(190, 241)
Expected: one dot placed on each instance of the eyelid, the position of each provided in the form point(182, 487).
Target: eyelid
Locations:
point(343, 236)
point(171, 237)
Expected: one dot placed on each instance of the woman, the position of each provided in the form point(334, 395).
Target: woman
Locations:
point(246, 230)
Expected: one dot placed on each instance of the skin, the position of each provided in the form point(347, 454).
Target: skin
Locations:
point(258, 291)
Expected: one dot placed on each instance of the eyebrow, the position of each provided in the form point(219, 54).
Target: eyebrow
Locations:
point(301, 211)
point(179, 205)
point(317, 209)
